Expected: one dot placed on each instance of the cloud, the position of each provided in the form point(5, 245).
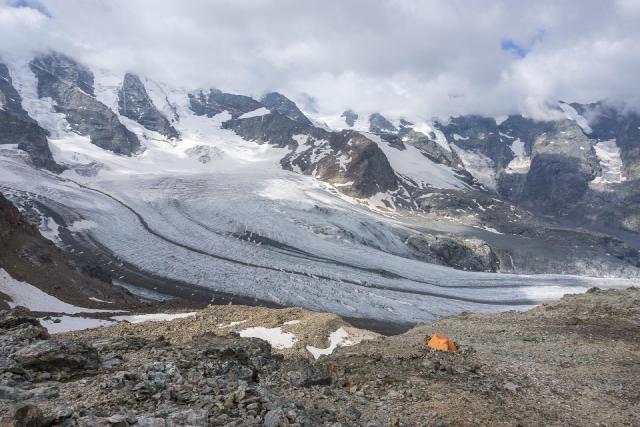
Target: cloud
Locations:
point(414, 58)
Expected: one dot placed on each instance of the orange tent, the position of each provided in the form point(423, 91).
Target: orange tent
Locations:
point(442, 342)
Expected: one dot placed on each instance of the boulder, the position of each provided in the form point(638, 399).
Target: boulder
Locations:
point(55, 355)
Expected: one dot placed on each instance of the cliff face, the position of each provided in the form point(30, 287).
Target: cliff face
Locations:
point(17, 127)
point(70, 85)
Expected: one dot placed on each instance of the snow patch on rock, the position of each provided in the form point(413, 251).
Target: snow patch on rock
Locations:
point(153, 317)
point(274, 336)
point(339, 338)
point(26, 295)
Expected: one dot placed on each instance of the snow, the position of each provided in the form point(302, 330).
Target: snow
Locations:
point(81, 225)
point(72, 323)
point(153, 317)
point(26, 295)
point(50, 229)
point(339, 338)
point(231, 324)
point(275, 336)
point(521, 163)
point(142, 293)
point(459, 137)
point(572, 114)
point(480, 166)
point(330, 246)
point(608, 154)
point(292, 322)
point(100, 300)
point(411, 163)
point(427, 129)
point(255, 113)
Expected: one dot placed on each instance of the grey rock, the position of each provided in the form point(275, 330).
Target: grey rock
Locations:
point(303, 373)
point(150, 422)
point(480, 135)
point(70, 85)
point(380, 124)
point(17, 127)
point(276, 418)
point(215, 102)
point(24, 415)
point(55, 355)
point(135, 103)
point(12, 393)
point(465, 254)
point(368, 170)
point(350, 117)
point(276, 102)
point(188, 418)
point(563, 163)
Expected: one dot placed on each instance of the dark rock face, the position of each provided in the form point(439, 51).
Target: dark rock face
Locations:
point(274, 129)
point(340, 157)
point(60, 67)
point(70, 85)
point(134, 103)
point(379, 124)
point(279, 103)
point(29, 257)
point(464, 254)
point(432, 150)
point(16, 127)
point(606, 123)
point(481, 135)
point(563, 163)
point(350, 117)
point(216, 101)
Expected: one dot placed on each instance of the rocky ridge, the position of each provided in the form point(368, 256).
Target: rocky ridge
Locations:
point(572, 362)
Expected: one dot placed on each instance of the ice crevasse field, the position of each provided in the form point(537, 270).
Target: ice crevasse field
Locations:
point(218, 211)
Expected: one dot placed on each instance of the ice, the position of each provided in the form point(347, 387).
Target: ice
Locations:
point(26, 295)
point(339, 338)
point(274, 336)
point(81, 225)
point(168, 213)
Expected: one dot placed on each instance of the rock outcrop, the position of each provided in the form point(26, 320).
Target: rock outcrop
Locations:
point(102, 378)
point(345, 157)
point(350, 117)
point(17, 127)
point(135, 103)
point(460, 253)
point(27, 256)
point(279, 103)
point(215, 102)
point(70, 85)
point(379, 124)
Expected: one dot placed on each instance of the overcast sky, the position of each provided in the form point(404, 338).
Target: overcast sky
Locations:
point(414, 58)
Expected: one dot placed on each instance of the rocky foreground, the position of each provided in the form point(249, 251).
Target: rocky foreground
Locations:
point(573, 362)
